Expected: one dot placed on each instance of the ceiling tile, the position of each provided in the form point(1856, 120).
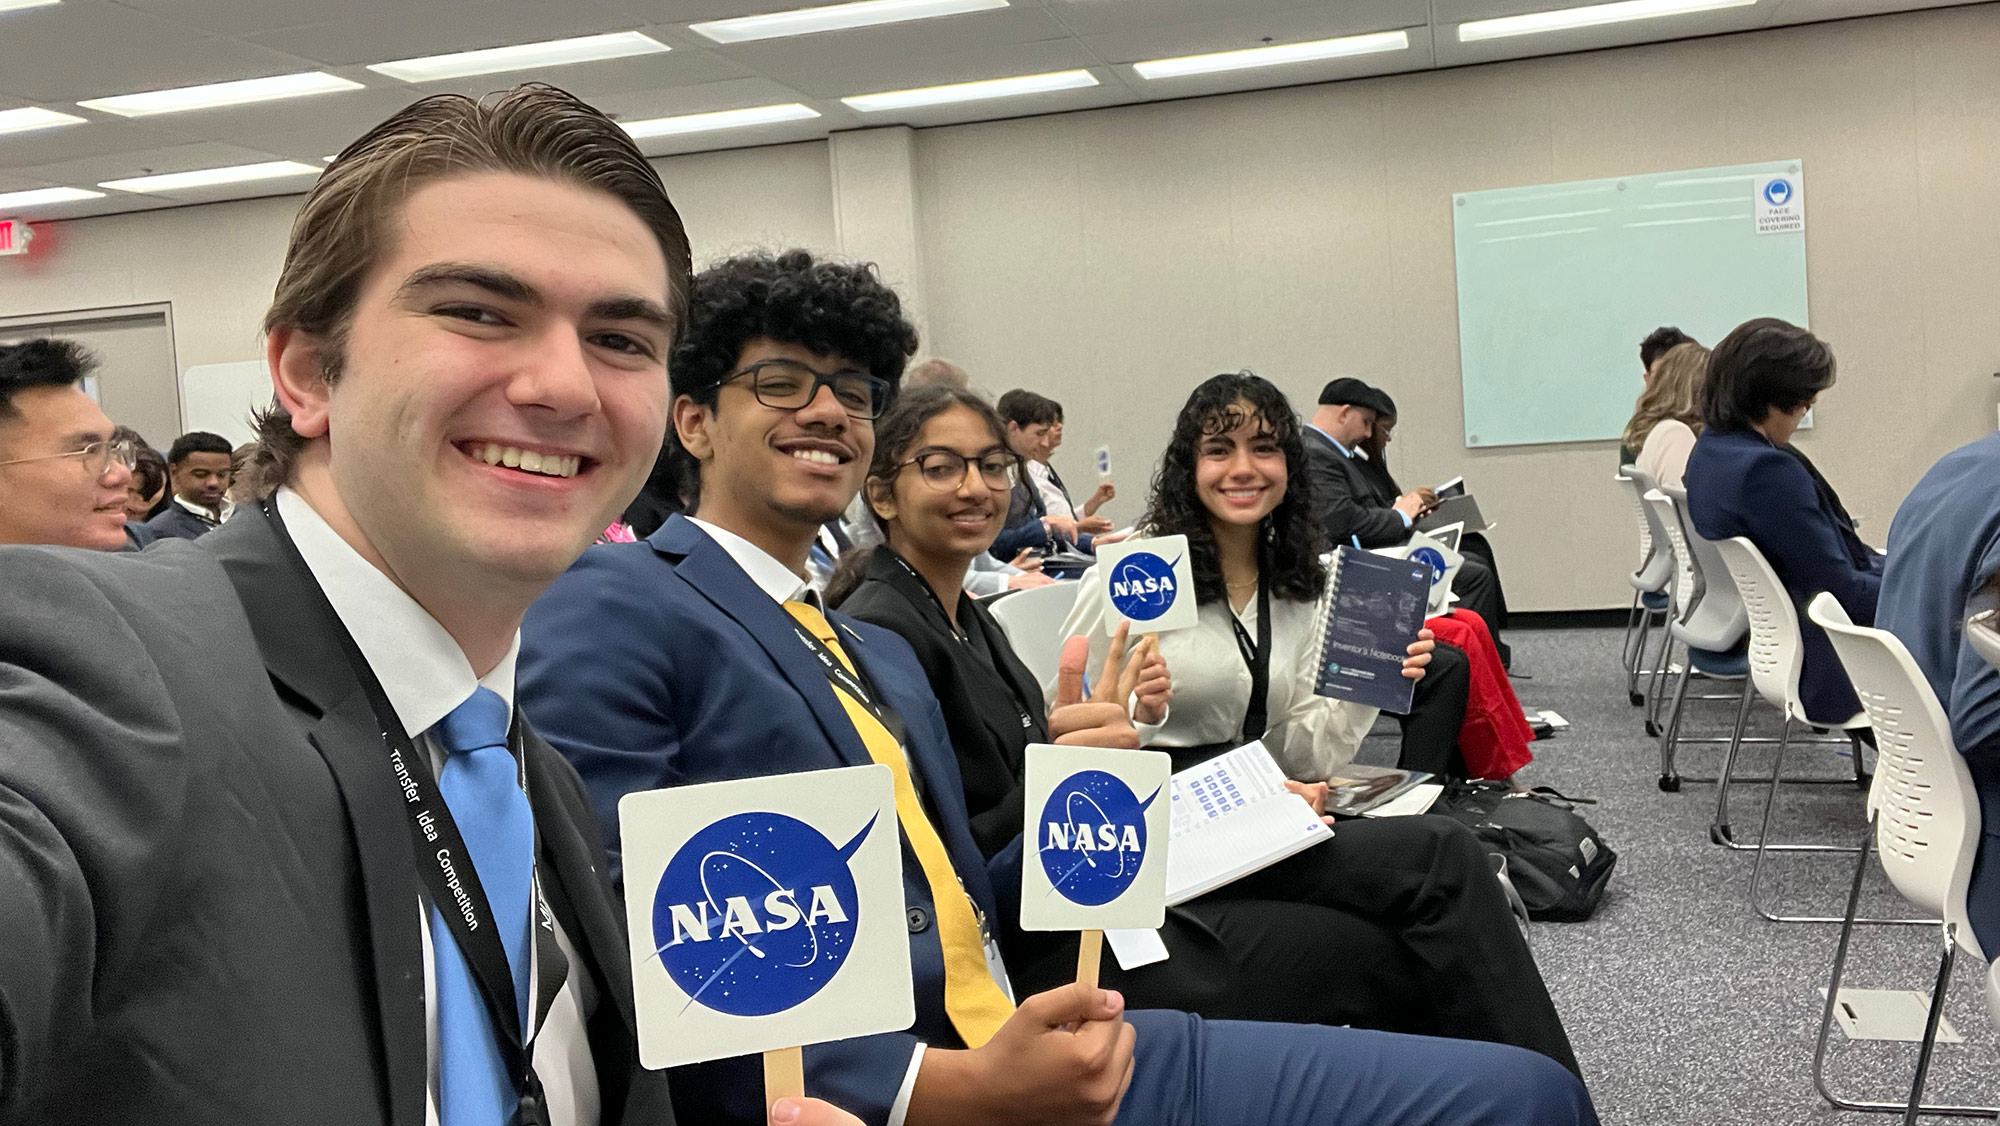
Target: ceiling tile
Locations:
point(76, 142)
point(1416, 57)
point(1104, 17)
point(888, 48)
point(76, 51)
point(1451, 52)
point(249, 17)
point(593, 81)
point(91, 171)
point(416, 30)
point(836, 76)
point(352, 110)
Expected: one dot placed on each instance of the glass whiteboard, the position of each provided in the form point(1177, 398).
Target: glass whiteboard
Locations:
point(1558, 283)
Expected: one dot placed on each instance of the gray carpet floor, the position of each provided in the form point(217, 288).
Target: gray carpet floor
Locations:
point(1683, 1005)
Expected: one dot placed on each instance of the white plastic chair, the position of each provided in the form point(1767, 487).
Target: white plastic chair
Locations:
point(1923, 820)
point(1710, 627)
point(1649, 581)
point(1033, 619)
point(1777, 655)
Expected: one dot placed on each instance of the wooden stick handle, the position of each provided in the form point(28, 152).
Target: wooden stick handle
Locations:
point(784, 1075)
point(1089, 951)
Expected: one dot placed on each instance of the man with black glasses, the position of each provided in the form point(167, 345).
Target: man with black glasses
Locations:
point(62, 473)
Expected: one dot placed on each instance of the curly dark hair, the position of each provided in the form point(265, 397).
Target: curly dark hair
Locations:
point(1291, 537)
point(838, 308)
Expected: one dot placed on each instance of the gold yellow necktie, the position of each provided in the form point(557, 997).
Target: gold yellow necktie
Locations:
point(972, 999)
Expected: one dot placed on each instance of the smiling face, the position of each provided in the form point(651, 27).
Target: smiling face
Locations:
point(773, 475)
point(59, 500)
point(1240, 474)
point(503, 387)
point(961, 519)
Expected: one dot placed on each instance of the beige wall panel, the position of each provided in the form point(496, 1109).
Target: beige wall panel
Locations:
point(752, 199)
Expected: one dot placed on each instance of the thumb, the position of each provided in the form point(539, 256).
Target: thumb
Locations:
point(1071, 1004)
point(1069, 671)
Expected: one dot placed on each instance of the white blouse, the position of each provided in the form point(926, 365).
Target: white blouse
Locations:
point(1664, 455)
point(1309, 735)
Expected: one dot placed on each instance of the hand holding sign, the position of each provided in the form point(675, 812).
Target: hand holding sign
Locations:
point(1100, 722)
point(1149, 583)
point(765, 914)
point(1065, 1056)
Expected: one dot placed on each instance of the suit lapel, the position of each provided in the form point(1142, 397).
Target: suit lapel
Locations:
point(584, 888)
point(706, 567)
point(298, 636)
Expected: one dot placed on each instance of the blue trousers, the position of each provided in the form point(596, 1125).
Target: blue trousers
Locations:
point(1192, 1072)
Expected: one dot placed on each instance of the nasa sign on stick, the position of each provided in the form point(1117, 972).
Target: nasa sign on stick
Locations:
point(1095, 839)
point(1149, 583)
point(765, 913)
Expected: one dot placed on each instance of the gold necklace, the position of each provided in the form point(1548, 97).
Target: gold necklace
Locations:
point(1241, 586)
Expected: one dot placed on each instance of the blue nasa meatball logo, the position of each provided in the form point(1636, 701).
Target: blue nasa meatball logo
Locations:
point(1142, 586)
point(1093, 837)
point(756, 913)
point(1434, 559)
point(1778, 192)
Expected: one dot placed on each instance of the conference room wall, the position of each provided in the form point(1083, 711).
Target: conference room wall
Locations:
point(217, 263)
point(1112, 259)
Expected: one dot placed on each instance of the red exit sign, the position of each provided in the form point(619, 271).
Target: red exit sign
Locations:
point(14, 236)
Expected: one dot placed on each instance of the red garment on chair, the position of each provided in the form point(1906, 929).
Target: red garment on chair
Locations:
point(1495, 736)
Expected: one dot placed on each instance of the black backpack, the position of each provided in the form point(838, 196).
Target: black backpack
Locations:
point(1557, 861)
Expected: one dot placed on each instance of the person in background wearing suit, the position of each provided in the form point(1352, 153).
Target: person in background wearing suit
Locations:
point(64, 471)
point(1440, 959)
point(198, 471)
point(695, 657)
point(1667, 417)
point(1762, 379)
point(1039, 512)
point(275, 845)
point(1944, 557)
point(1356, 511)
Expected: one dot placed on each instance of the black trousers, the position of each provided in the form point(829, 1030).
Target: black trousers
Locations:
point(1478, 588)
point(1437, 712)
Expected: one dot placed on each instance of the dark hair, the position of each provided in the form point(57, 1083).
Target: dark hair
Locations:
point(1763, 364)
point(1659, 342)
point(895, 433)
point(40, 363)
point(345, 224)
point(198, 442)
point(149, 472)
point(835, 308)
point(1024, 408)
point(1292, 536)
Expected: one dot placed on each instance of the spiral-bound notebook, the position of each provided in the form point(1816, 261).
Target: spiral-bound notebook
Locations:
point(1370, 613)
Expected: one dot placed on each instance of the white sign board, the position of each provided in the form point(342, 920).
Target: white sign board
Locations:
point(220, 398)
point(1095, 839)
point(765, 913)
point(1780, 203)
point(1149, 583)
point(1103, 459)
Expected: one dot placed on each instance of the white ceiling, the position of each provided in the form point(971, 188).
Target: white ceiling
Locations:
point(55, 56)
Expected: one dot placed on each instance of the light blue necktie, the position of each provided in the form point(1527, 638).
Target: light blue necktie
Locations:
point(481, 786)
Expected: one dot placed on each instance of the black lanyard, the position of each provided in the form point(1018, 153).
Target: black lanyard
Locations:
point(451, 885)
point(1256, 654)
point(1027, 719)
point(850, 681)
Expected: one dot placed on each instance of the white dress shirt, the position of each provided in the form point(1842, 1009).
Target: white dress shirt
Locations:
point(785, 585)
point(207, 515)
point(1309, 735)
point(1055, 498)
point(425, 675)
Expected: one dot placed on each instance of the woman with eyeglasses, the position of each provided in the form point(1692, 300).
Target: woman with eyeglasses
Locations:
point(1390, 925)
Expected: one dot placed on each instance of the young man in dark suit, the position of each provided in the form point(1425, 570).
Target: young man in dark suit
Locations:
point(701, 655)
point(198, 473)
point(274, 846)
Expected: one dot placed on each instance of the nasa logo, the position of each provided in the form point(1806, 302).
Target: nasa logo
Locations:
point(756, 913)
point(1094, 837)
point(1777, 193)
point(1435, 558)
point(1142, 586)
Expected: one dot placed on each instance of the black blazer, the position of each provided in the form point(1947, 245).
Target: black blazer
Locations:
point(1349, 503)
point(213, 898)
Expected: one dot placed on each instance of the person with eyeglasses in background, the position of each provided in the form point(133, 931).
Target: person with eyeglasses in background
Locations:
point(63, 473)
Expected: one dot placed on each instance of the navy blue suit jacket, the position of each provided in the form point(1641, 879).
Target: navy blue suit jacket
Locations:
point(1739, 484)
point(178, 523)
point(660, 663)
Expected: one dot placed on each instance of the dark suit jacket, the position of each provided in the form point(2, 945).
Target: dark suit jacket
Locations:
point(176, 522)
point(211, 895)
point(1739, 484)
point(1347, 500)
point(660, 663)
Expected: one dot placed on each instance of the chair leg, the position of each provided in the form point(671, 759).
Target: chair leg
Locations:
point(1669, 781)
point(1633, 673)
point(1914, 1107)
point(1931, 1024)
point(1656, 695)
point(1625, 657)
point(1718, 829)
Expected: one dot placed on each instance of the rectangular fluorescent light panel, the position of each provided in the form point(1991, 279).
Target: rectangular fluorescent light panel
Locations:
point(721, 119)
point(1594, 15)
point(523, 56)
point(834, 17)
point(972, 91)
point(209, 177)
point(222, 94)
point(16, 5)
point(1275, 56)
point(28, 117)
point(38, 197)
